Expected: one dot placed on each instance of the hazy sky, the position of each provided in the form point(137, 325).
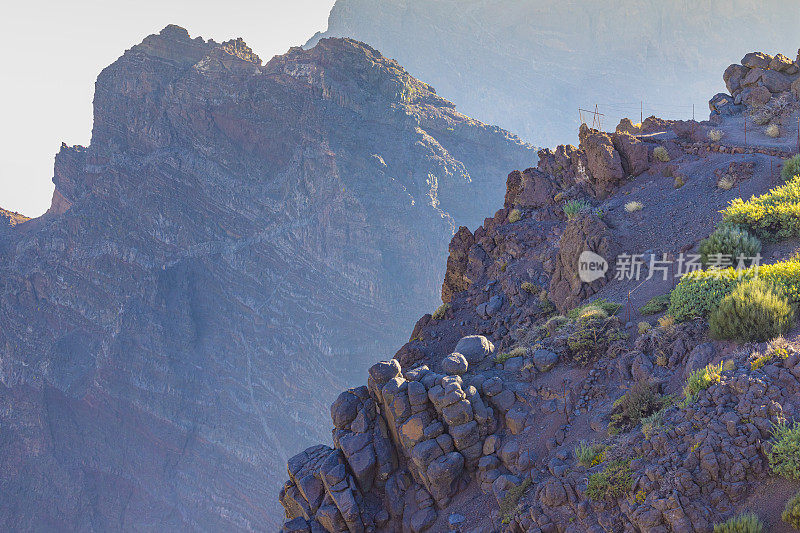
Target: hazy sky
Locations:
point(55, 49)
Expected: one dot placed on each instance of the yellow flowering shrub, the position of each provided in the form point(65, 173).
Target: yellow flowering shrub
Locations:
point(771, 216)
point(701, 291)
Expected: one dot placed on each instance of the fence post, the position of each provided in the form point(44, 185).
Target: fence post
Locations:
point(745, 129)
point(628, 310)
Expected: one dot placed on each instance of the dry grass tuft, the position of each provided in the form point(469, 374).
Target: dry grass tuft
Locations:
point(632, 207)
point(726, 182)
point(661, 154)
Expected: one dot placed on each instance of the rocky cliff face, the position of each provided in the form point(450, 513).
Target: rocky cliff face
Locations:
point(527, 65)
point(500, 414)
point(238, 241)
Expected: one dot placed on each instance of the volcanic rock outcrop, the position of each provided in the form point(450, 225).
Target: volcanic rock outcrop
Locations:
point(436, 422)
point(236, 242)
point(755, 80)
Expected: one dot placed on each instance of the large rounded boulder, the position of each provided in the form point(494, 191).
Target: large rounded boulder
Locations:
point(455, 364)
point(474, 348)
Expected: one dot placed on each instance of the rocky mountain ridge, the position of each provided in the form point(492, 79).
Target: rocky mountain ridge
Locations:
point(528, 65)
point(532, 400)
point(11, 218)
point(235, 242)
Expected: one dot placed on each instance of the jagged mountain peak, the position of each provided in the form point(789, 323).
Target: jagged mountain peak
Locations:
point(11, 218)
point(359, 60)
point(349, 57)
point(341, 76)
point(174, 44)
point(238, 48)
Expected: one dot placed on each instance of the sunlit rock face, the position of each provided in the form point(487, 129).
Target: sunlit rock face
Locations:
point(239, 242)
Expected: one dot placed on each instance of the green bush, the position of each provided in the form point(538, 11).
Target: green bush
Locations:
point(791, 168)
point(590, 455)
point(612, 482)
point(771, 216)
point(761, 118)
point(699, 292)
point(528, 287)
point(777, 349)
point(784, 457)
point(753, 311)
point(661, 154)
point(574, 207)
point(555, 323)
point(545, 305)
point(592, 337)
point(791, 514)
point(519, 351)
point(600, 308)
point(441, 311)
point(514, 216)
point(508, 505)
point(653, 421)
point(743, 523)
point(700, 380)
point(655, 305)
point(593, 313)
point(639, 402)
point(732, 242)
